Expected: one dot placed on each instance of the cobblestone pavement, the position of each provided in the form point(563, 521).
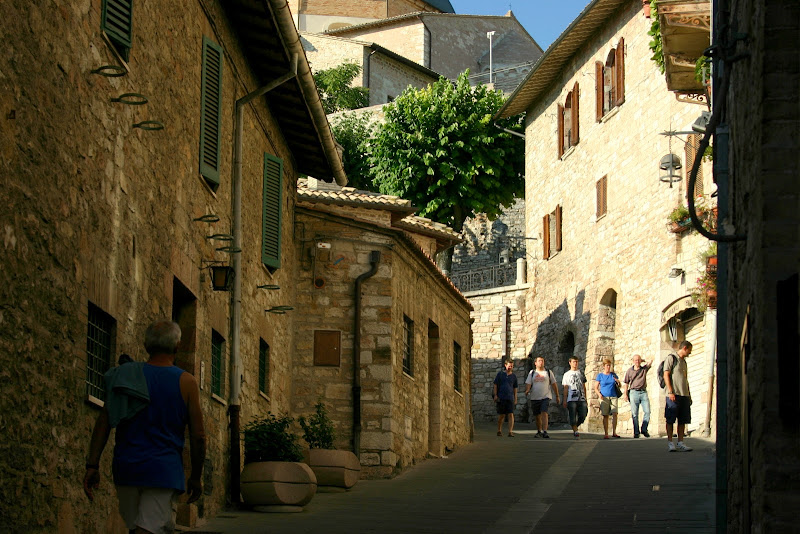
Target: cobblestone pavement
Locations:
point(518, 485)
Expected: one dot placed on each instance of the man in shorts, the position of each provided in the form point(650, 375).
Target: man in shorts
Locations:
point(574, 383)
point(148, 452)
point(504, 393)
point(538, 384)
point(679, 399)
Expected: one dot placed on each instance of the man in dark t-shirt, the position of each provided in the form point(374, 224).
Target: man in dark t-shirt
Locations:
point(636, 393)
point(504, 393)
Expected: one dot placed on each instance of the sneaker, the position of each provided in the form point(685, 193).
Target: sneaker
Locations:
point(682, 448)
point(645, 434)
point(545, 434)
point(636, 435)
point(671, 446)
point(616, 436)
point(576, 434)
point(538, 434)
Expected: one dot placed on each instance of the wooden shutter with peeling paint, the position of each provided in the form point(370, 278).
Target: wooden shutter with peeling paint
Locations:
point(619, 65)
point(211, 112)
point(271, 212)
point(560, 130)
point(546, 237)
point(575, 136)
point(598, 90)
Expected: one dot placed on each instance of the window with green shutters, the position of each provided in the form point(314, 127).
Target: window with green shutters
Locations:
point(211, 113)
point(271, 217)
point(217, 362)
point(117, 24)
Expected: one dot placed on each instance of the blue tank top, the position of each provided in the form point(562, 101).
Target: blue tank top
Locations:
point(149, 448)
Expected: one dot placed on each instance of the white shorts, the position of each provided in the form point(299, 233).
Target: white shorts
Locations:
point(152, 509)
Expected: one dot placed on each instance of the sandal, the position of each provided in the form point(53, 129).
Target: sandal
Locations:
point(499, 433)
point(510, 434)
point(616, 436)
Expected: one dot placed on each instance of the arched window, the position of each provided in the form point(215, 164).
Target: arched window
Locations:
point(610, 80)
point(568, 121)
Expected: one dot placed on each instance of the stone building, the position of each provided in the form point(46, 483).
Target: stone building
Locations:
point(368, 287)
point(756, 166)
point(610, 280)
point(385, 73)
point(318, 16)
point(449, 44)
point(119, 179)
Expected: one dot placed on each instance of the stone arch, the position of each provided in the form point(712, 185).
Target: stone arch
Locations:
point(604, 344)
point(566, 349)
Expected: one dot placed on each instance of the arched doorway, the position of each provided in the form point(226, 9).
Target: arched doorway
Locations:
point(604, 348)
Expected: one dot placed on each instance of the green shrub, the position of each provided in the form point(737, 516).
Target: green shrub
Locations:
point(318, 428)
point(268, 439)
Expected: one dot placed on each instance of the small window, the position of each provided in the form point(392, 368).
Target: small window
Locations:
point(551, 233)
point(263, 367)
point(211, 113)
point(602, 199)
point(610, 80)
point(456, 366)
point(99, 350)
point(692, 144)
point(327, 347)
point(408, 346)
point(271, 212)
point(568, 121)
point(117, 24)
point(217, 363)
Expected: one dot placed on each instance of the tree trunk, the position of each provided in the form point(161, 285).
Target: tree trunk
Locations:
point(444, 259)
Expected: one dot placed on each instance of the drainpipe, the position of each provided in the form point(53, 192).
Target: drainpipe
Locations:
point(374, 259)
point(234, 401)
point(712, 357)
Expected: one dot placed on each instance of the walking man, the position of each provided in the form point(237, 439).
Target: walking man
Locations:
point(636, 393)
point(679, 400)
point(574, 383)
point(147, 463)
point(504, 393)
point(538, 384)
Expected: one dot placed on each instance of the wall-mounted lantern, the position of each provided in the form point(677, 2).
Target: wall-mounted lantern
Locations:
point(221, 277)
point(670, 165)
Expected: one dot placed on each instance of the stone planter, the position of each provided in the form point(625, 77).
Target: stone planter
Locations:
point(278, 486)
point(334, 469)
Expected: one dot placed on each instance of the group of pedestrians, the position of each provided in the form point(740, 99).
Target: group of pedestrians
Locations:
point(541, 388)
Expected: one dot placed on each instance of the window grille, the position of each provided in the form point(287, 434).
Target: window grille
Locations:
point(408, 346)
point(99, 350)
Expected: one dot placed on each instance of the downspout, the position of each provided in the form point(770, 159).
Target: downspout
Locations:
point(234, 401)
point(712, 359)
point(374, 259)
point(291, 41)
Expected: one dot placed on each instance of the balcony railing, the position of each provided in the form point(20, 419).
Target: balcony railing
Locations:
point(486, 278)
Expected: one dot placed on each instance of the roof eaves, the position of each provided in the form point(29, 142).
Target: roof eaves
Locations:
point(550, 65)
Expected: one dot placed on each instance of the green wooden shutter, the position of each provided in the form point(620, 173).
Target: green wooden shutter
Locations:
point(117, 23)
point(211, 112)
point(271, 206)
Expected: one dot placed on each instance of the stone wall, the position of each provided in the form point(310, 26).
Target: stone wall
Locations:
point(759, 309)
point(404, 417)
point(485, 240)
point(487, 348)
point(100, 212)
point(621, 259)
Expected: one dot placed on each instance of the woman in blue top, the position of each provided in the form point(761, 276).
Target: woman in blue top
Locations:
point(608, 396)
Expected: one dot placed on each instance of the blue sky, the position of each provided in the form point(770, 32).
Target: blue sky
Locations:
point(543, 19)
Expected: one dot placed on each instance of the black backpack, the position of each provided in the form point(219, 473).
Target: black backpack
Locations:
point(660, 371)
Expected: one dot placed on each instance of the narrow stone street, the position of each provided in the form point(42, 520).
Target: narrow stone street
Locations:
point(519, 485)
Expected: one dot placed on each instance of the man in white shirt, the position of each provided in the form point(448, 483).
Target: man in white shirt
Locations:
point(538, 385)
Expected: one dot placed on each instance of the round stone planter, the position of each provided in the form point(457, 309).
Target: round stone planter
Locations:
point(278, 486)
point(333, 469)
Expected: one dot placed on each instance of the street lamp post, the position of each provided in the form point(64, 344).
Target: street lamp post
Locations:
point(490, 35)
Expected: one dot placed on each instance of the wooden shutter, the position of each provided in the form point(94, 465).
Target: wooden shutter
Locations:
point(271, 212)
point(116, 21)
point(546, 237)
point(560, 130)
point(598, 90)
point(558, 227)
point(619, 65)
point(602, 187)
point(692, 144)
point(575, 137)
point(211, 112)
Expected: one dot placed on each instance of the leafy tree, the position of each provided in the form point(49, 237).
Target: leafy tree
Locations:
point(335, 90)
point(440, 148)
point(353, 131)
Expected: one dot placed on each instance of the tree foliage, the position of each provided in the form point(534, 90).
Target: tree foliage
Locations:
point(353, 131)
point(440, 148)
point(335, 90)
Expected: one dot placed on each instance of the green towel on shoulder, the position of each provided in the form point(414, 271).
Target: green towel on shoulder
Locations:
point(126, 392)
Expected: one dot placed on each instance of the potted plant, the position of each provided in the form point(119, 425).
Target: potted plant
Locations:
point(335, 470)
point(709, 258)
point(679, 220)
point(705, 293)
point(274, 477)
